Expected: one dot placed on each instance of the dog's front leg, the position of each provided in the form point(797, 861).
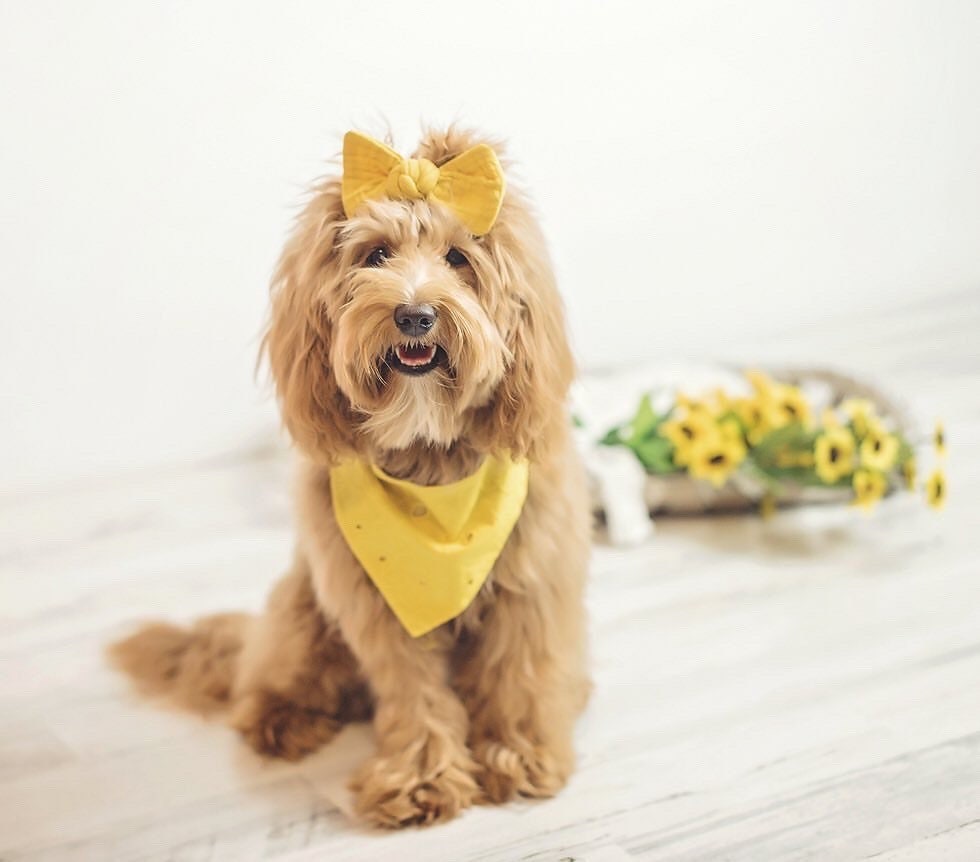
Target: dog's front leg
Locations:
point(525, 684)
point(423, 771)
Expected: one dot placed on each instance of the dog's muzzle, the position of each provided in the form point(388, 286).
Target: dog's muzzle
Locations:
point(415, 320)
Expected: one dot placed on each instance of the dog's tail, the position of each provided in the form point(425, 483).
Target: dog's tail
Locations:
point(192, 667)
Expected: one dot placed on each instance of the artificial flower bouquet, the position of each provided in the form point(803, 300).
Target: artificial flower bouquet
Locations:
point(771, 439)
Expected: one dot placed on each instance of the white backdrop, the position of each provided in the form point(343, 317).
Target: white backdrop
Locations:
point(705, 171)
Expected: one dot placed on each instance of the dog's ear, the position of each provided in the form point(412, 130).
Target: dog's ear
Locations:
point(297, 340)
point(529, 406)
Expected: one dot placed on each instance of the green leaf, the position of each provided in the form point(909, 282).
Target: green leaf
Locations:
point(794, 437)
point(655, 453)
point(613, 437)
point(905, 451)
point(646, 420)
point(641, 427)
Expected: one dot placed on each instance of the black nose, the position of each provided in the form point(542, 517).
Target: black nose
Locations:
point(415, 319)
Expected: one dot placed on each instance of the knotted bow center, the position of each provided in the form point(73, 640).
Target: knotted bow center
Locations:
point(413, 179)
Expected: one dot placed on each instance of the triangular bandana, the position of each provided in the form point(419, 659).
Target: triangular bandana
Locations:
point(428, 549)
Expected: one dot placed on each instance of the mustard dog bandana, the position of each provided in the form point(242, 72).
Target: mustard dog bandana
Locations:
point(428, 549)
point(471, 185)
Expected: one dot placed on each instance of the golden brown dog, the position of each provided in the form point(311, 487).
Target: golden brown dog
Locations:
point(483, 707)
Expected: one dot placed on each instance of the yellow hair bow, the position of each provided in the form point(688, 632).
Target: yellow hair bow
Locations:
point(471, 184)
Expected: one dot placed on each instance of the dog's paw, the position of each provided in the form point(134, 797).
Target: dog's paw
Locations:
point(275, 726)
point(507, 771)
point(391, 792)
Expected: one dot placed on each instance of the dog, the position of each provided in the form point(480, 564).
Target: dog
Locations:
point(415, 342)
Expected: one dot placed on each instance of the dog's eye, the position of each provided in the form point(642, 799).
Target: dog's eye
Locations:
point(377, 256)
point(455, 258)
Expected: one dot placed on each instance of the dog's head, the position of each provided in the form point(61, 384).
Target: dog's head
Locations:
point(396, 326)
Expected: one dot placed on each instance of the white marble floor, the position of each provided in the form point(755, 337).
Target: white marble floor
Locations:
point(804, 688)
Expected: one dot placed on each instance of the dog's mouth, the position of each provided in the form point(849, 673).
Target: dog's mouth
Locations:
point(416, 359)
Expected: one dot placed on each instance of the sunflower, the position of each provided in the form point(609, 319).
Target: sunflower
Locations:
point(752, 415)
point(862, 414)
point(939, 440)
point(869, 488)
point(779, 403)
point(909, 474)
point(692, 426)
point(879, 449)
point(936, 489)
point(716, 455)
point(785, 405)
point(833, 455)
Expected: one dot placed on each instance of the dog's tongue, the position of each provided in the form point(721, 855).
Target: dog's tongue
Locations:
point(418, 354)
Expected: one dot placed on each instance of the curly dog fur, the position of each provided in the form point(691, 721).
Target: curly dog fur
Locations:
point(483, 708)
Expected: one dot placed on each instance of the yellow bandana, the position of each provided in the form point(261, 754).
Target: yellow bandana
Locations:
point(471, 185)
point(428, 549)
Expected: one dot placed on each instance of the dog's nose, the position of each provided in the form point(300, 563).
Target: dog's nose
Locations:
point(415, 319)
